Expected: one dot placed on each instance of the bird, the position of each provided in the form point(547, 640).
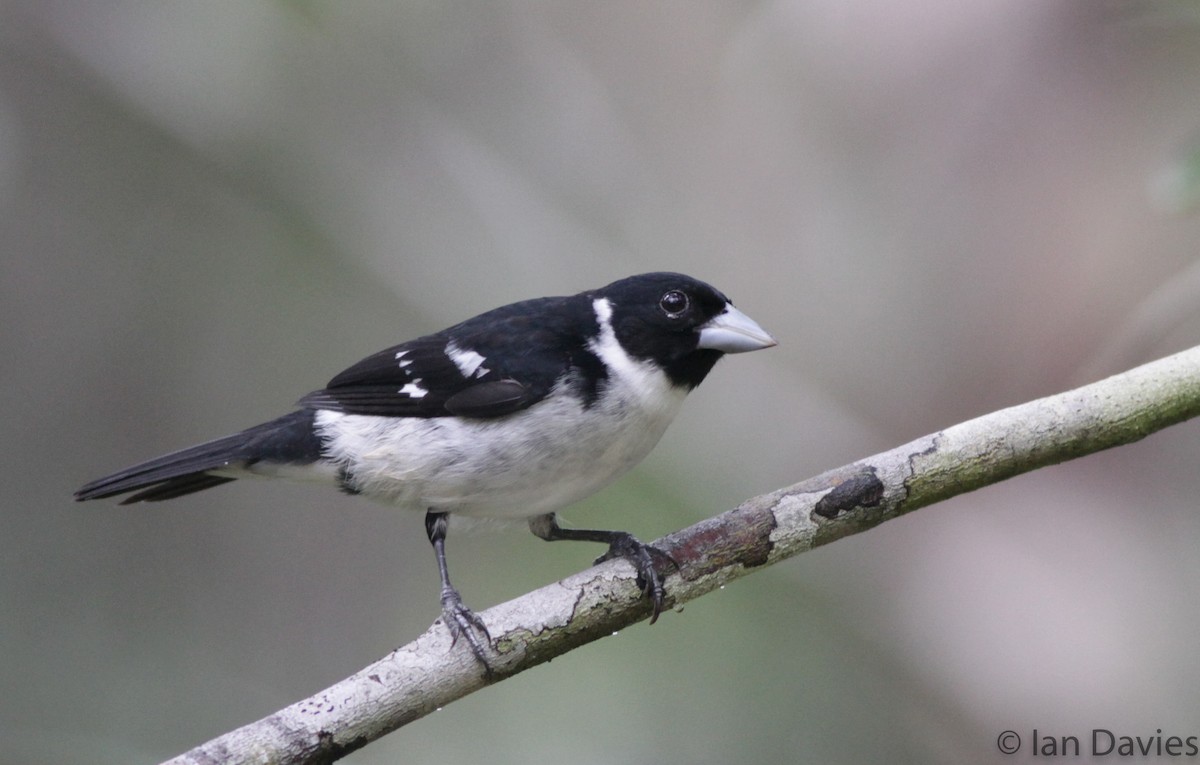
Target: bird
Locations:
point(514, 414)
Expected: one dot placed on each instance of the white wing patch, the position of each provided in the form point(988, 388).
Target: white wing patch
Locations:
point(413, 390)
point(468, 362)
point(403, 361)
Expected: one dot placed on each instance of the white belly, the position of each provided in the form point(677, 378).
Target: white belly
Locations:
point(531, 462)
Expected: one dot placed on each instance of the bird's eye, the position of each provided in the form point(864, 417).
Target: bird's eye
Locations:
point(674, 302)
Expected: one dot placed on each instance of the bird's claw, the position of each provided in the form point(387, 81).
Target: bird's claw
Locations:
point(646, 560)
point(463, 622)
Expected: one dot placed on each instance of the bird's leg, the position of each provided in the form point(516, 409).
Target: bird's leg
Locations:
point(620, 545)
point(460, 620)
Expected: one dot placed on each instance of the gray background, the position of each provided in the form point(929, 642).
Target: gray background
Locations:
point(940, 208)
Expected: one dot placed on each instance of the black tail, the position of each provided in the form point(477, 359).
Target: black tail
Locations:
point(289, 439)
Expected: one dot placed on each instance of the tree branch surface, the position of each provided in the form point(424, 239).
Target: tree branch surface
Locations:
point(429, 672)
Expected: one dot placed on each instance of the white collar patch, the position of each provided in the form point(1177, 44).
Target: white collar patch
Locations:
point(641, 378)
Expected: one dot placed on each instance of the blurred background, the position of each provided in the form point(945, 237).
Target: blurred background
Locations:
point(939, 208)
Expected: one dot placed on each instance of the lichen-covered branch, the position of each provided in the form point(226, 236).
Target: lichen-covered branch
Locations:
point(429, 673)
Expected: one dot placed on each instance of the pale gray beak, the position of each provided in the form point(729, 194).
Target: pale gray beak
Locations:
point(732, 331)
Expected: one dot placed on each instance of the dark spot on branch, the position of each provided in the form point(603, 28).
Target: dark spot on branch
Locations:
point(329, 750)
point(863, 489)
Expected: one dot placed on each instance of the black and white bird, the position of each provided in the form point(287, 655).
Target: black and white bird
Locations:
point(515, 413)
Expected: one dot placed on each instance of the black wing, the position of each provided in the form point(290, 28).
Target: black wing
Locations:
point(489, 366)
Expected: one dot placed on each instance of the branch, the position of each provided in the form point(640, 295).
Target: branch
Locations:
point(429, 673)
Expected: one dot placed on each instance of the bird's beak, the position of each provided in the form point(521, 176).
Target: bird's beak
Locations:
point(732, 331)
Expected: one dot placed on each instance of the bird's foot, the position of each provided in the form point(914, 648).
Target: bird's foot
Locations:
point(646, 561)
point(463, 622)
